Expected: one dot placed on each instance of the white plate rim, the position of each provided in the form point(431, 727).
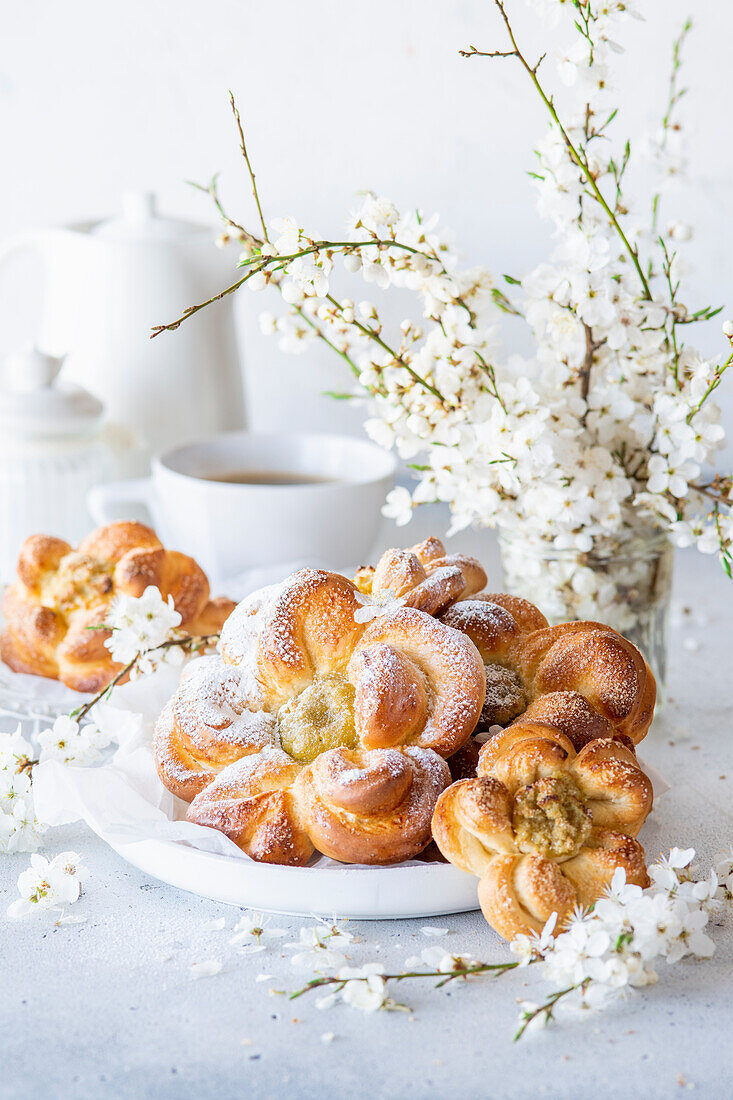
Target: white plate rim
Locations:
point(354, 893)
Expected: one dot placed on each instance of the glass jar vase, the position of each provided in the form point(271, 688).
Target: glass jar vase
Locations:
point(624, 582)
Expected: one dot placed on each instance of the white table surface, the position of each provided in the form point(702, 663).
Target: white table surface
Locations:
point(108, 1008)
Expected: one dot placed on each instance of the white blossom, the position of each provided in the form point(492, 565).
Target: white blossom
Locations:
point(618, 943)
point(70, 743)
point(206, 968)
point(49, 885)
point(20, 831)
point(251, 930)
point(363, 988)
point(320, 948)
point(139, 624)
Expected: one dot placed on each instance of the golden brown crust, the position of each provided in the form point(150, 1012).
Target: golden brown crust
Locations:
point(39, 554)
point(439, 589)
point(363, 579)
point(593, 868)
point(472, 570)
point(428, 550)
point(61, 592)
point(544, 826)
point(518, 894)
point(423, 576)
point(32, 635)
point(472, 823)
point(114, 540)
point(369, 710)
point(453, 677)
point(608, 775)
point(391, 697)
point(397, 571)
point(586, 658)
point(312, 630)
point(252, 803)
point(503, 744)
point(371, 807)
point(573, 659)
point(571, 714)
point(355, 806)
point(205, 727)
point(522, 611)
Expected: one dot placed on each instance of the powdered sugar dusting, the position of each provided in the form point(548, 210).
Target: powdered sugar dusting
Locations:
point(453, 670)
point(246, 624)
point(231, 778)
point(212, 702)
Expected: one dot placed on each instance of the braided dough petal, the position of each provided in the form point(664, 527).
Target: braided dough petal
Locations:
point(311, 630)
point(593, 868)
point(207, 726)
point(371, 806)
point(252, 802)
point(452, 669)
point(397, 571)
point(618, 793)
point(472, 823)
point(518, 894)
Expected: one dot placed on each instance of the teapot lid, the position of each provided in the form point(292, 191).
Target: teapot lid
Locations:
point(35, 402)
point(139, 220)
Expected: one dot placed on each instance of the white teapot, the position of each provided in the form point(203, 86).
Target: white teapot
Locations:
point(107, 285)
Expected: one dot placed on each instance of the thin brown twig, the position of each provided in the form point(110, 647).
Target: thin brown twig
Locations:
point(243, 147)
point(591, 347)
point(264, 263)
point(193, 642)
point(452, 975)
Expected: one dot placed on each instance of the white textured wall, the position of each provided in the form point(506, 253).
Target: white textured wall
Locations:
point(337, 95)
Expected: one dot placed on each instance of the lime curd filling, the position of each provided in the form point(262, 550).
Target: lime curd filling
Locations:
point(550, 818)
point(320, 718)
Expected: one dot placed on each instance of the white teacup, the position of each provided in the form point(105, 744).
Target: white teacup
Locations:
point(325, 505)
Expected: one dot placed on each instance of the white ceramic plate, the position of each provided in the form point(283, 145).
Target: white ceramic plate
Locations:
point(360, 893)
point(365, 893)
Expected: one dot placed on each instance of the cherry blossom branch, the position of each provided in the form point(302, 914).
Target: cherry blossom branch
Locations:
point(546, 1009)
point(372, 334)
point(591, 347)
point(713, 385)
point(192, 643)
point(212, 190)
point(268, 264)
point(322, 336)
point(575, 154)
point(459, 972)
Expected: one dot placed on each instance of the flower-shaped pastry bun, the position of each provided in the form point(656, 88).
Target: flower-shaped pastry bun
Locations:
point(54, 610)
point(544, 826)
point(423, 576)
point(363, 714)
